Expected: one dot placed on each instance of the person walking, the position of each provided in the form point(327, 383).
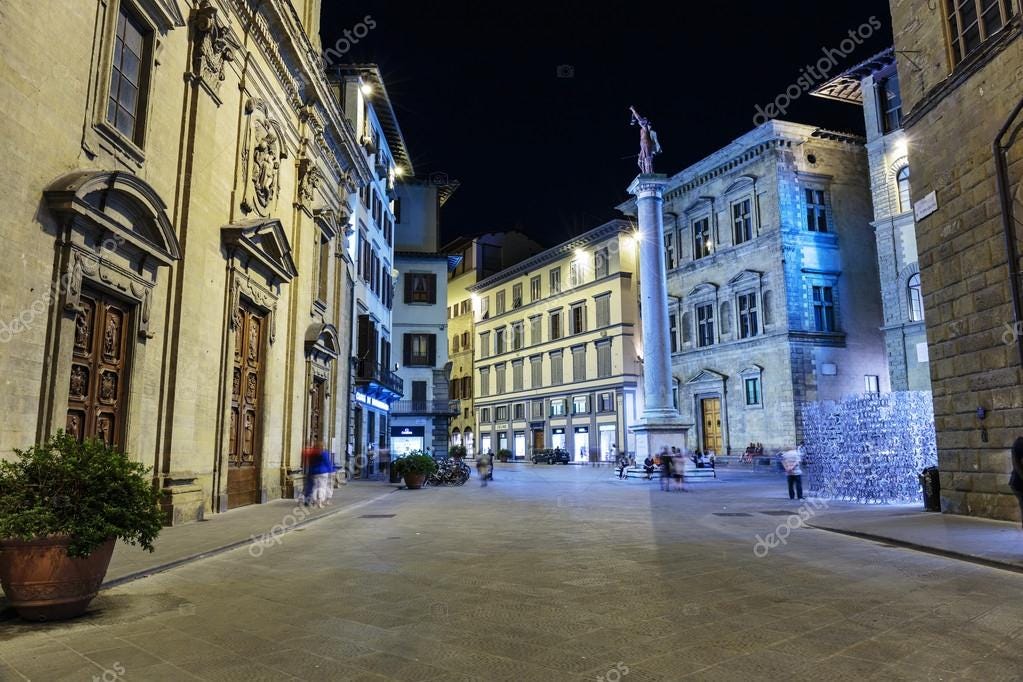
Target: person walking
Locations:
point(484, 465)
point(648, 466)
point(791, 462)
point(665, 469)
point(321, 469)
point(1016, 477)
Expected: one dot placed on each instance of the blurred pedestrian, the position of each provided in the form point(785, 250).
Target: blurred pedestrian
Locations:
point(648, 466)
point(322, 468)
point(791, 462)
point(1016, 477)
point(665, 469)
point(484, 465)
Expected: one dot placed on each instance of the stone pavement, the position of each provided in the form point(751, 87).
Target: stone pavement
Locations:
point(549, 573)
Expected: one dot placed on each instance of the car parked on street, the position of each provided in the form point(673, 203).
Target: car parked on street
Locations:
point(551, 456)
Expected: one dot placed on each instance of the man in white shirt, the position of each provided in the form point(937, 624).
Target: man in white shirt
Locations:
point(791, 461)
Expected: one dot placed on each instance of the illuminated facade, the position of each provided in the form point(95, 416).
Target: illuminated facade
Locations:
point(772, 280)
point(557, 350)
point(874, 85)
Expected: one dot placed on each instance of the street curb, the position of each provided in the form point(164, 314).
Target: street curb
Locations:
point(160, 568)
point(946, 553)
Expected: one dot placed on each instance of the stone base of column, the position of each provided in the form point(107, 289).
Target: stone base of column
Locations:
point(654, 434)
point(182, 499)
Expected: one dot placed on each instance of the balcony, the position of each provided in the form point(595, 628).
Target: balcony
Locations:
point(377, 381)
point(426, 408)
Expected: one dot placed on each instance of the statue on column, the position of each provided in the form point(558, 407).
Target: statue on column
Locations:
point(648, 144)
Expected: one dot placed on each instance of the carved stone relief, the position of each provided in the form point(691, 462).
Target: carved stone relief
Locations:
point(261, 159)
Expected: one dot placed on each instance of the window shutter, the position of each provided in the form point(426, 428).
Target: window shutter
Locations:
point(432, 348)
point(431, 287)
point(406, 349)
point(408, 287)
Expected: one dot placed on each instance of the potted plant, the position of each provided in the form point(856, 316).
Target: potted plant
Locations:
point(415, 467)
point(504, 455)
point(62, 506)
point(457, 452)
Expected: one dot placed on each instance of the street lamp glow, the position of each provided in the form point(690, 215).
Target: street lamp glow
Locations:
point(580, 255)
point(398, 171)
point(366, 89)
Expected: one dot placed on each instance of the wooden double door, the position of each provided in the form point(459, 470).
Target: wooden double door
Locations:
point(244, 457)
point(98, 385)
point(712, 434)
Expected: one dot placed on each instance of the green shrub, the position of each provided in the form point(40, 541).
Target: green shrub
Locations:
point(505, 454)
point(87, 491)
point(457, 451)
point(415, 463)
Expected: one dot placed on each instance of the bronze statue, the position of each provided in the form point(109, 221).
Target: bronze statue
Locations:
point(648, 144)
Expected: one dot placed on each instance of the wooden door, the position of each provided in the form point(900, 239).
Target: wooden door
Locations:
point(711, 408)
point(317, 402)
point(538, 440)
point(99, 369)
point(243, 461)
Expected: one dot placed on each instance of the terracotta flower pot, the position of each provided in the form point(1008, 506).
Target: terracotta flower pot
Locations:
point(43, 583)
point(414, 481)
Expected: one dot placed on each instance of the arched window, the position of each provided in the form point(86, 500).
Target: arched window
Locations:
point(902, 180)
point(467, 440)
point(456, 436)
point(916, 299)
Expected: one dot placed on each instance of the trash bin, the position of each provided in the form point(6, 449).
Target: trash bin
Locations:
point(930, 481)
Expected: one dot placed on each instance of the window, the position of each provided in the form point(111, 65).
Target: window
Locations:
point(129, 75)
point(453, 387)
point(556, 281)
point(537, 409)
point(485, 382)
point(517, 296)
point(557, 369)
point(673, 331)
point(971, 22)
point(534, 289)
point(555, 325)
point(519, 411)
point(484, 307)
point(669, 251)
point(752, 386)
point(601, 262)
point(604, 360)
point(916, 299)
point(747, 307)
point(517, 376)
point(536, 372)
point(501, 413)
point(742, 221)
point(396, 209)
point(702, 245)
point(579, 364)
point(823, 309)
point(603, 310)
point(872, 383)
point(465, 340)
point(579, 318)
point(902, 180)
point(323, 281)
point(467, 388)
point(466, 306)
point(889, 102)
point(420, 350)
point(558, 407)
point(518, 332)
point(485, 345)
point(485, 415)
point(606, 402)
point(499, 303)
point(535, 330)
point(420, 287)
point(580, 404)
point(454, 345)
point(574, 277)
point(816, 211)
point(705, 325)
point(498, 340)
point(499, 375)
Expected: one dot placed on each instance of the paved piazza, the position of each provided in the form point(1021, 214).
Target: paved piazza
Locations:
point(549, 573)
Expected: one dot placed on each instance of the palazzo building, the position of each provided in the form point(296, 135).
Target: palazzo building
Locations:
point(874, 86)
point(772, 284)
point(557, 350)
point(963, 116)
point(473, 258)
point(173, 278)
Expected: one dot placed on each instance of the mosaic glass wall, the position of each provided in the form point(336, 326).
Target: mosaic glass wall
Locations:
point(869, 449)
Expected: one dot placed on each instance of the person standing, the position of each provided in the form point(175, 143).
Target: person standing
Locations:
point(791, 462)
point(666, 460)
point(1016, 477)
point(484, 463)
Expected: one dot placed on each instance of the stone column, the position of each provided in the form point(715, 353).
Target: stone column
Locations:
point(660, 424)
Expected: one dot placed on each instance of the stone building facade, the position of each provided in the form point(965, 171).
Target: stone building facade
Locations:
point(473, 258)
point(772, 282)
point(557, 349)
point(173, 279)
point(874, 86)
point(961, 93)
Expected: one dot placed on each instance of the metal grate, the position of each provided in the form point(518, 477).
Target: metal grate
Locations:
point(377, 516)
point(778, 512)
point(732, 514)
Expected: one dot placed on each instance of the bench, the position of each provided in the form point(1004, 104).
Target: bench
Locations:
point(690, 473)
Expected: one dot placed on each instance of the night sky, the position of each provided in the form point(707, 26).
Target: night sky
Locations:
point(478, 93)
